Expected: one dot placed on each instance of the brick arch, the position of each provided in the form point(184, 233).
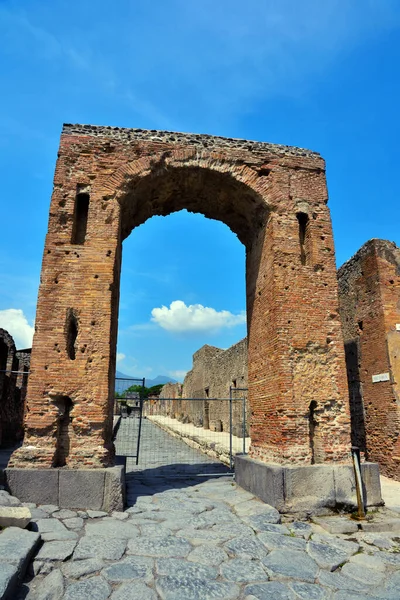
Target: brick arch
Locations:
point(213, 173)
point(293, 323)
point(177, 158)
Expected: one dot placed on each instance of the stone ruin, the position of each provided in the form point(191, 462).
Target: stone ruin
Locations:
point(274, 198)
point(216, 374)
point(369, 304)
point(14, 369)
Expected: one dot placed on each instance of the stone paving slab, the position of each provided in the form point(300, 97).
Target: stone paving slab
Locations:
point(17, 545)
point(52, 587)
point(129, 569)
point(113, 528)
point(16, 548)
point(134, 590)
point(93, 546)
point(160, 546)
point(95, 588)
point(78, 568)
point(187, 588)
point(56, 551)
point(204, 539)
point(8, 578)
point(293, 564)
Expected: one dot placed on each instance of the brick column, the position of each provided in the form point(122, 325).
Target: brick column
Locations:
point(297, 378)
point(71, 384)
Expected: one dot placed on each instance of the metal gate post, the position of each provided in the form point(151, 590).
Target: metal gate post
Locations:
point(141, 400)
point(230, 429)
point(244, 425)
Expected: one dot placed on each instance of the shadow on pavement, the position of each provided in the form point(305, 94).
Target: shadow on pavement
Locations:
point(174, 476)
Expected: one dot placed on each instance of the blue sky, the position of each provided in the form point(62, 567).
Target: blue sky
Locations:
point(320, 75)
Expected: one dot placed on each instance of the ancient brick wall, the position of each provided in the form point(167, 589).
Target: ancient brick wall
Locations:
point(107, 182)
point(214, 371)
point(14, 368)
point(369, 293)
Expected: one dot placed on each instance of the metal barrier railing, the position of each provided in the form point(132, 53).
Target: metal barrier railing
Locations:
point(201, 432)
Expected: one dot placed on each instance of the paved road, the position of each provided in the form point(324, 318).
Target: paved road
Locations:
point(203, 541)
point(160, 454)
point(202, 538)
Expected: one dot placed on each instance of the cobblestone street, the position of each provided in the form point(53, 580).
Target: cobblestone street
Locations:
point(201, 538)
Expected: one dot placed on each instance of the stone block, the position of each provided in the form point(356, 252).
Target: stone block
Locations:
point(114, 489)
point(263, 480)
point(345, 486)
point(81, 488)
point(14, 516)
point(337, 524)
point(33, 485)
point(8, 579)
point(372, 484)
point(7, 500)
point(308, 488)
point(17, 546)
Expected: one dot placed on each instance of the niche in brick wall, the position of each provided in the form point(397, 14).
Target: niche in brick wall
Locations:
point(71, 333)
point(81, 212)
point(304, 238)
point(64, 430)
point(312, 426)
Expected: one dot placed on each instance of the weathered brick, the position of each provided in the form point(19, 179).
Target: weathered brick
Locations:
point(274, 198)
point(369, 292)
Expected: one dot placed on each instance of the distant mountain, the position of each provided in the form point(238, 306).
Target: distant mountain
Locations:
point(159, 380)
point(148, 382)
point(124, 376)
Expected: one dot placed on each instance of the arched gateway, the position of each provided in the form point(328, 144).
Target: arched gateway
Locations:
point(110, 180)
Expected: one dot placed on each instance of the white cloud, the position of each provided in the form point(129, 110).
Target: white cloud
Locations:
point(15, 322)
point(180, 318)
point(179, 374)
point(120, 357)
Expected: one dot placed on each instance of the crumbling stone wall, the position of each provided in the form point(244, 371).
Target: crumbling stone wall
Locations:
point(214, 372)
point(14, 368)
point(168, 403)
point(110, 180)
point(369, 294)
point(171, 390)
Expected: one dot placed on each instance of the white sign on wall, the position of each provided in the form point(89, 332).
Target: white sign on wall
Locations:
point(380, 377)
point(397, 326)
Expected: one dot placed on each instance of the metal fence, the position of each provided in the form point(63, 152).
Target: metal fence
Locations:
point(129, 396)
point(196, 435)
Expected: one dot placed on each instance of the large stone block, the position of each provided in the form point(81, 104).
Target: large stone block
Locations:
point(265, 483)
point(345, 485)
point(95, 489)
point(33, 485)
point(372, 484)
point(114, 489)
point(14, 516)
point(82, 488)
point(308, 488)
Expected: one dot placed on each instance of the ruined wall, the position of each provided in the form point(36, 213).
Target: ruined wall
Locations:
point(214, 371)
point(369, 294)
point(171, 390)
point(168, 403)
point(110, 180)
point(14, 368)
